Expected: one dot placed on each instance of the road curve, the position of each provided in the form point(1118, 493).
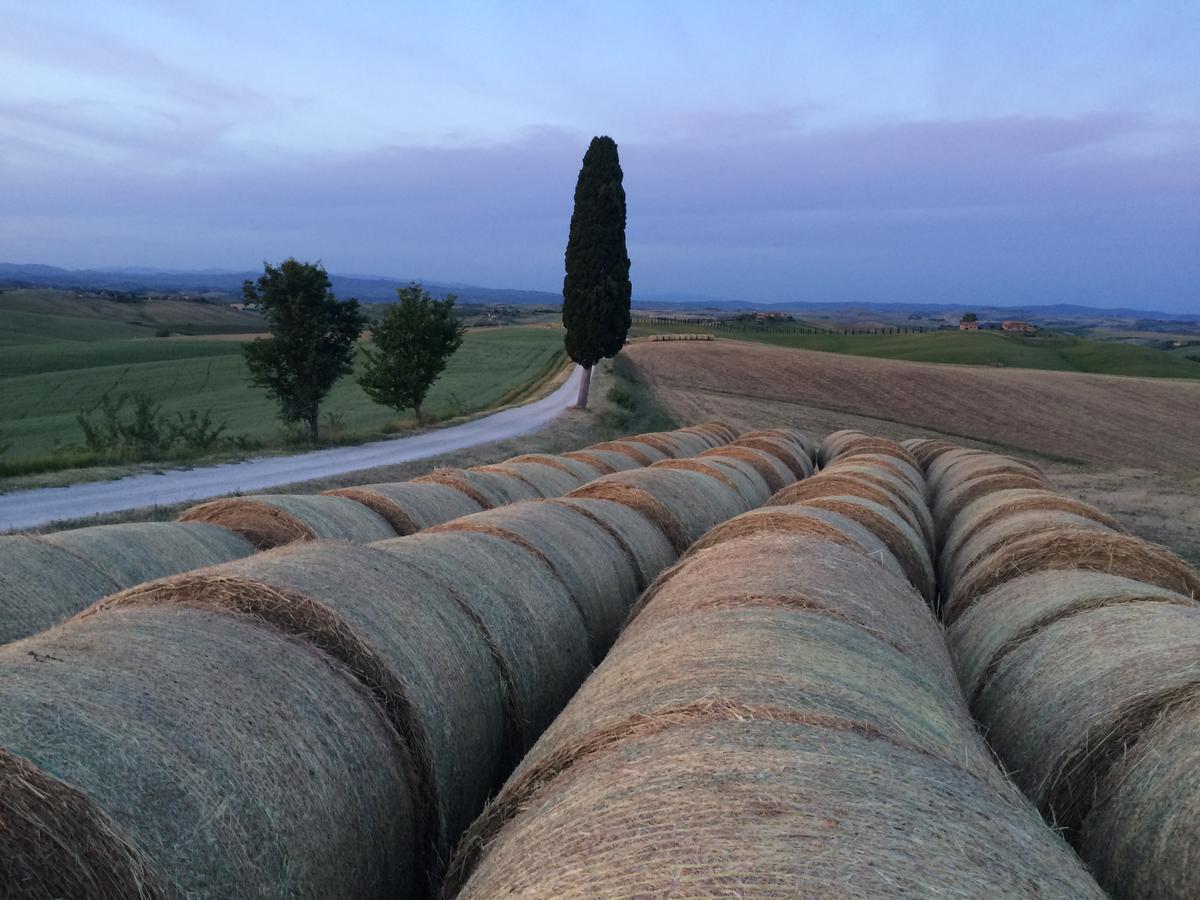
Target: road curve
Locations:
point(29, 509)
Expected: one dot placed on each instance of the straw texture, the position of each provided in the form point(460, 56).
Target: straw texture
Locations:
point(271, 520)
point(409, 506)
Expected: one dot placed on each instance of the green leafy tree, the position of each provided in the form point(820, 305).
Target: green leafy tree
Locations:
point(413, 343)
point(970, 317)
point(596, 290)
point(312, 338)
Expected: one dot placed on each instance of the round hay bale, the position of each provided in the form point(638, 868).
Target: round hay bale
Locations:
point(926, 450)
point(271, 520)
point(898, 485)
point(688, 443)
point(998, 534)
point(488, 489)
point(642, 454)
point(712, 435)
point(642, 541)
point(828, 448)
point(875, 447)
point(938, 466)
point(985, 510)
point(597, 568)
point(950, 502)
point(908, 471)
point(802, 519)
point(535, 628)
point(904, 541)
point(772, 470)
point(1140, 839)
point(796, 570)
point(788, 452)
point(410, 506)
point(188, 731)
point(972, 465)
point(545, 480)
point(1068, 548)
point(1065, 704)
point(604, 461)
point(695, 500)
point(582, 470)
point(746, 803)
point(41, 584)
point(41, 816)
point(132, 552)
point(1001, 619)
point(664, 442)
point(830, 484)
point(738, 476)
point(404, 634)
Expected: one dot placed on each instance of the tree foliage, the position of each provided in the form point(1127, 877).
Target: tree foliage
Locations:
point(413, 343)
point(596, 289)
point(970, 317)
point(312, 340)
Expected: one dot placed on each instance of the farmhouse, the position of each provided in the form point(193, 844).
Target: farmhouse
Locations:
point(1022, 327)
point(968, 326)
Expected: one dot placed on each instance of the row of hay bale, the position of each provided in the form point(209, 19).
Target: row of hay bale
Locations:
point(681, 336)
point(325, 718)
point(780, 717)
point(1078, 647)
point(44, 578)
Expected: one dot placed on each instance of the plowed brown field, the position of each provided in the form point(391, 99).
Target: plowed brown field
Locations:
point(1132, 445)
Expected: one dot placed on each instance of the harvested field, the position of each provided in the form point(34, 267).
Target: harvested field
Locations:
point(271, 520)
point(1099, 419)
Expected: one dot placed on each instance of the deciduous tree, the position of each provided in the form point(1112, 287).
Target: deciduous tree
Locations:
point(312, 338)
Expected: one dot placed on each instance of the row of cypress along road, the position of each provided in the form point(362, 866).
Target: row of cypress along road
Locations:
point(44, 578)
point(1078, 647)
point(779, 717)
point(324, 719)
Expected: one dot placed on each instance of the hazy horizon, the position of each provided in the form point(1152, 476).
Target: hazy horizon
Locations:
point(1001, 156)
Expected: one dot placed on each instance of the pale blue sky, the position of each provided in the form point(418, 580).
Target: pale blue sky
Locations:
point(1002, 152)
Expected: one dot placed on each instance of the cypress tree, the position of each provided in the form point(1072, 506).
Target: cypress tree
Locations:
point(596, 290)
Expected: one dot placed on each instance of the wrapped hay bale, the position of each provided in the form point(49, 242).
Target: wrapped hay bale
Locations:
point(596, 567)
point(904, 541)
point(802, 519)
point(271, 520)
point(789, 452)
point(693, 502)
point(1001, 619)
point(642, 454)
point(159, 749)
point(40, 584)
point(604, 461)
point(546, 481)
point(737, 475)
point(1069, 548)
point(772, 734)
point(1140, 838)
point(405, 634)
point(535, 631)
point(582, 470)
point(486, 488)
point(1065, 704)
point(985, 510)
point(1002, 532)
point(644, 543)
point(410, 506)
point(772, 470)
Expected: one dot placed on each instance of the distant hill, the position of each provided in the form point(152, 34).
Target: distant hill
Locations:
point(367, 288)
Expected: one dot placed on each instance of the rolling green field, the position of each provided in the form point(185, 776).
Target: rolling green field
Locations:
point(45, 384)
point(1047, 351)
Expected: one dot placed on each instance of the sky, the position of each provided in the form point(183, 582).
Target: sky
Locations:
point(924, 151)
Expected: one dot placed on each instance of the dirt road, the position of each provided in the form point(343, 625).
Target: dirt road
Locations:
point(29, 509)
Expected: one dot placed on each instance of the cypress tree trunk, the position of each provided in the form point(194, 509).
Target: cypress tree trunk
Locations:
point(584, 386)
point(596, 289)
point(313, 422)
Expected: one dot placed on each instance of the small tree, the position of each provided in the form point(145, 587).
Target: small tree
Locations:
point(970, 317)
point(312, 338)
point(596, 290)
point(413, 343)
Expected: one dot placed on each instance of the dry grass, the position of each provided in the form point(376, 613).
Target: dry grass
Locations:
point(409, 506)
point(271, 520)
